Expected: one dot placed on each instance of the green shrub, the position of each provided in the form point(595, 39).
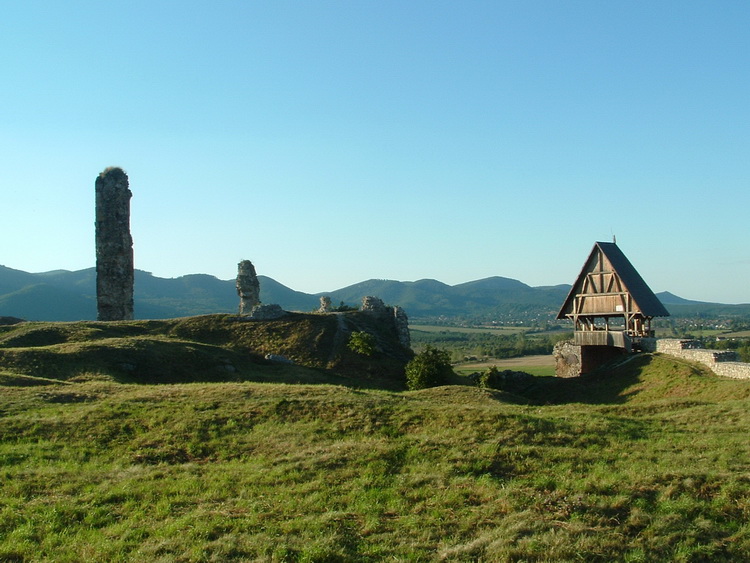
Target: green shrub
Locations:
point(362, 343)
point(429, 368)
point(344, 308)
point(487, 378)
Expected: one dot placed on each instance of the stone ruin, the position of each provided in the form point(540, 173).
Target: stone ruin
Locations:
point(567, 359)
point(266, 312)
point(376, 306)
point(248, 287)
point(114, 247)
point(402, 326)
point(325, 305)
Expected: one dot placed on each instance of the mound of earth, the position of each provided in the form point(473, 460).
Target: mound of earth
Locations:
point(295, 348)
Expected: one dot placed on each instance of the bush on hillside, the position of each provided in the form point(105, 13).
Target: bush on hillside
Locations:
point(429, 368)
point(362, 343)
point(344, 308)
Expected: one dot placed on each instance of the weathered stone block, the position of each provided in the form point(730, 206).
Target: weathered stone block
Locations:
point(267, 312)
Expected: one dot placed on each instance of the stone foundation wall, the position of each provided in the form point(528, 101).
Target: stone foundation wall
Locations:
point(572, 360)
point(721, 362)
point(567, 359)
point(735, 370)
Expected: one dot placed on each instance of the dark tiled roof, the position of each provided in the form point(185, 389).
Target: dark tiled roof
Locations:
point(647, 302)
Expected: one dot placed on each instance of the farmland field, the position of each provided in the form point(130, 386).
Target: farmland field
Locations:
point(539, 365)
point(469, 330)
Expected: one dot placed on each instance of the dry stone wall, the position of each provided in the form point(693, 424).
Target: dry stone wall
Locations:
point(721, 362)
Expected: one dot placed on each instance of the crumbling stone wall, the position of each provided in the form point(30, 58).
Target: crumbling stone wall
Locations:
point(373, 304)
point(376, 306)
point(248, 288)
point(402, 327)
point(721, 362)
point(114, 247)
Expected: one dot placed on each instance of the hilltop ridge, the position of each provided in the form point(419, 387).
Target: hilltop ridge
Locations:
point(63, 295)
point(296, 348)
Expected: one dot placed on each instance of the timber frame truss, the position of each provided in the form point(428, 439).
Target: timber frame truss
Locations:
point(603, 295)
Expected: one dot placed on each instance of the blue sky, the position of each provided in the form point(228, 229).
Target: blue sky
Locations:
point(334, 142)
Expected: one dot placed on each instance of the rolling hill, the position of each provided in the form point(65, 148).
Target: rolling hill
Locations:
point(63, 295)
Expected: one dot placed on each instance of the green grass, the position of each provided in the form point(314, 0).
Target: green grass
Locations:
point(469, 330)
point(538, 371)
point(736, 334)
point(649, 461)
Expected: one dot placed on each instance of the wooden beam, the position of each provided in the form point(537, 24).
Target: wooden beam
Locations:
point(611, 294)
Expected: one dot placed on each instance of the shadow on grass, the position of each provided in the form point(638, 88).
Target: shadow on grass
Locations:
point(162, 361)
point(613, 383)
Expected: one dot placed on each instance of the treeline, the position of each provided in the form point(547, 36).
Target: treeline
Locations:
point(464, 345)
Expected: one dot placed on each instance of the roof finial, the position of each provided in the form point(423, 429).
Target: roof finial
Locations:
point(614, 239)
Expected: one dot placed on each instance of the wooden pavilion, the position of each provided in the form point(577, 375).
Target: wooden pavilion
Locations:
point(610, 304)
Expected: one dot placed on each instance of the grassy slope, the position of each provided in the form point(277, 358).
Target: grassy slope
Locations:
point(648, 462)
point(207, 348)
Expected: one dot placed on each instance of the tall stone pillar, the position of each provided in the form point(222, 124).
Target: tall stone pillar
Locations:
point(248, 287)
point(114, 247)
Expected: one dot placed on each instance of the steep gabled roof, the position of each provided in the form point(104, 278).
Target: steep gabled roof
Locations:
point(647, 302)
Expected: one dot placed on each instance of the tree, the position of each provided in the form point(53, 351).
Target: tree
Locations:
point(429, 368)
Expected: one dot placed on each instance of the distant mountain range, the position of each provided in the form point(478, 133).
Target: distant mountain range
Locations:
point(62, 295)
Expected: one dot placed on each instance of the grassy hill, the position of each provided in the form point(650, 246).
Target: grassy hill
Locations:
point(648, 461)
point(204, 348)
